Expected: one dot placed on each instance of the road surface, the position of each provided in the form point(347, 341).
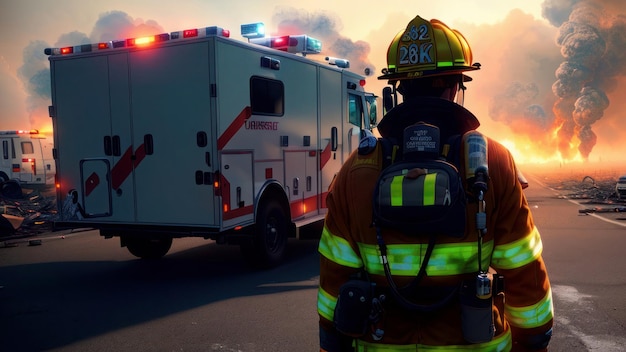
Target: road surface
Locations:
point(585, 257)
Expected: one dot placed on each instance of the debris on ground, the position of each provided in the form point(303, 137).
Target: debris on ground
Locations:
point(27, 212)
point(596, 191)
point(602, 210)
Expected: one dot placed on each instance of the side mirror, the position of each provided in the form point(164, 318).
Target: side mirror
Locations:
point(388, 102)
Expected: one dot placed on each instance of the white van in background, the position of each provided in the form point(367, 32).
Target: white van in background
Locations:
point(26, 156)
point(620, 187)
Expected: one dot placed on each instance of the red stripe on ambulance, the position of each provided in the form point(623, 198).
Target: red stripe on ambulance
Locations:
point(239, 121)
point(90, 184)
point(123, 168)
point(325, 156)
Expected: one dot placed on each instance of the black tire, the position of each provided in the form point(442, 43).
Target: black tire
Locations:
point(3, 177)
point(269, 245)
point(11, 189)
point(149, 248)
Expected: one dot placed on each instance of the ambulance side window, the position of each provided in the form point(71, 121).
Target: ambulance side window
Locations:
point(12, 149)
point(27, 148)
point(267, 96)
point(355, 110)
point(5, 149)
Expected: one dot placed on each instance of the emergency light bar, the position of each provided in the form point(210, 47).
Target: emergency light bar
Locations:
point(140, 41)
point(20, 132)
point(295, 44)
point(200, 32)
point(253, 30)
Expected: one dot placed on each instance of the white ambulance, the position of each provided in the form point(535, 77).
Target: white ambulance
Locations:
point(194, 133)
point(26, 157)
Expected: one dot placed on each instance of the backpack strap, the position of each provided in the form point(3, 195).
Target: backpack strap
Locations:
point(391, 150)
point(450, 151)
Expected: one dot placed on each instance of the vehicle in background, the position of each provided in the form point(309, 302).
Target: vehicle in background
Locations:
point(26, 157)
point(620, 187)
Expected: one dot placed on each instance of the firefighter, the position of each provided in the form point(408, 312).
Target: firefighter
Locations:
point(499, 250)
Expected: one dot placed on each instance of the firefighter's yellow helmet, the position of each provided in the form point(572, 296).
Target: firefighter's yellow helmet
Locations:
point(427, 48)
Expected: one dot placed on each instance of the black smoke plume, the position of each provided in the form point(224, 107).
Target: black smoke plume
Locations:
point(592, 38)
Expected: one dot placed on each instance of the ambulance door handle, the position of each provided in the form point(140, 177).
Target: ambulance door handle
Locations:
point(240, 203)
point(308, 183)
point(117, 148)
point(148, 144)
point(108, 147)
point(295, 186)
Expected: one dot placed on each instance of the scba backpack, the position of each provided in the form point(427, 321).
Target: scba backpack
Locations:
point(422, 193)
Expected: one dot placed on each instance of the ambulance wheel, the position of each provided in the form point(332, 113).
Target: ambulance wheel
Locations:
point(11, 189)
point(3, 177)
point(149, 248)
point(270, 239)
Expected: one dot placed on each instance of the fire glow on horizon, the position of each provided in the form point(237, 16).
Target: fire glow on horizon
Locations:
point(558, 125)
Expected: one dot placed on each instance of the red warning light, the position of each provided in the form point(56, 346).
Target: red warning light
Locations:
point(190, 33)
point(280, 43)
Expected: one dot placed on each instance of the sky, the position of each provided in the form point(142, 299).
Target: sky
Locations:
point(550, 87)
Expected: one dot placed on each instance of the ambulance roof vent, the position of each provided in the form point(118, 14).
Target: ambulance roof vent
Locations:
point(342, 63)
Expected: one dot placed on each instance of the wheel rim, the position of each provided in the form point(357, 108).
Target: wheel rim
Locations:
point(273, 233)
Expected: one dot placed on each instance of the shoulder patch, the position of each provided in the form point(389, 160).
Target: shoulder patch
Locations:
point(367, 145)
point(368, 154)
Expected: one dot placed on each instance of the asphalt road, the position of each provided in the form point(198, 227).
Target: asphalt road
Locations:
point(584, 254)
point(85, 293)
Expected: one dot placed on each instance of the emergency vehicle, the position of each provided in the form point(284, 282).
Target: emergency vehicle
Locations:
point(194, 133)
point(26, 157)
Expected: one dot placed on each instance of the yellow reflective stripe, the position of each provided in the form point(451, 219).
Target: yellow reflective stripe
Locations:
point(429, 189)
point(396, 191)
point(446, 259)
point(338, 250)
point(326, 304)
point(498, 344)
point(518, 253)
point(531, 316)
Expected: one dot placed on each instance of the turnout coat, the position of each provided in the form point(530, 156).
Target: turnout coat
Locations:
point(511, 246)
